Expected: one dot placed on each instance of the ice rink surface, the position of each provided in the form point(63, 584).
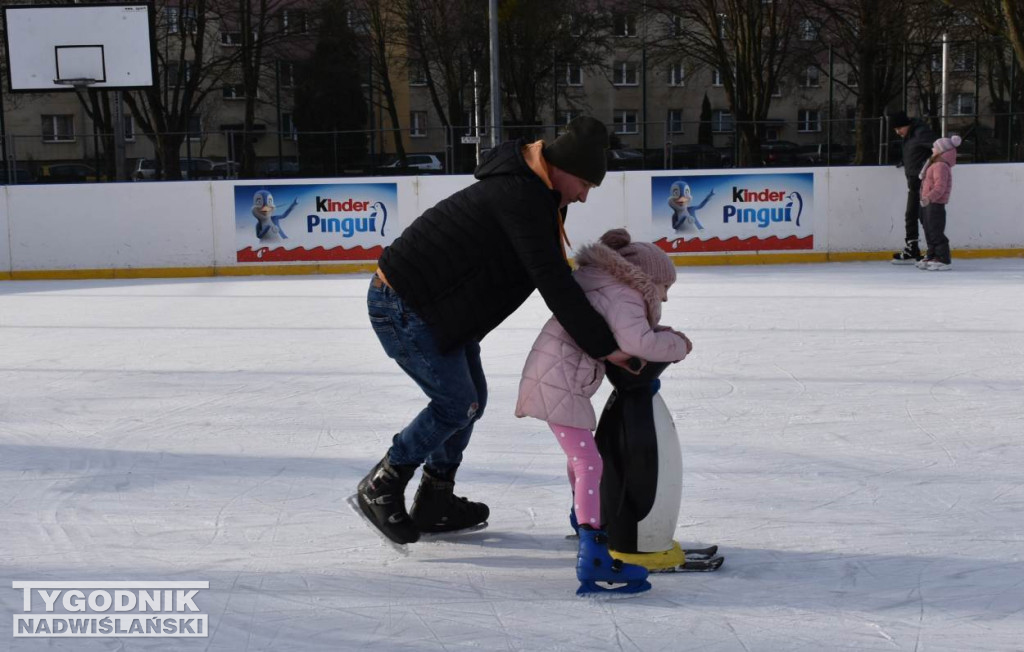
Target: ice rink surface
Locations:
point(853, 439)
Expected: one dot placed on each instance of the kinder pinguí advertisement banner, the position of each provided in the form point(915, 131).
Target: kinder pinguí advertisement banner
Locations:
point(318, 222)
point(733, 212)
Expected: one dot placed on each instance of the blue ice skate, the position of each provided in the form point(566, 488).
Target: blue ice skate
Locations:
point(594, 564)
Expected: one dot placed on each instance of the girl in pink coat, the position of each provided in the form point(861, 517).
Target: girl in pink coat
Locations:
point(936, 185)
point(626, 282)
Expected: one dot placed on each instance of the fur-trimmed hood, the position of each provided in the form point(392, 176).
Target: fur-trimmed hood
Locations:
point(600, 265)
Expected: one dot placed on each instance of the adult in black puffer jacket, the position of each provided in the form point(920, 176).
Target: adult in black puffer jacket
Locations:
point(456, 273)
point(917, 147)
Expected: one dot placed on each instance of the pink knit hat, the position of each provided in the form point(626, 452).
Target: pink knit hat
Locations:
point(648, 257)
point(946, 144)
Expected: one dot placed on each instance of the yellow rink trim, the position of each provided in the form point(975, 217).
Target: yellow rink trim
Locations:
point(653, 561)
point(692, 260)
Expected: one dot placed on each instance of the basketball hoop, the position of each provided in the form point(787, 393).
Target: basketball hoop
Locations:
point(79, 83)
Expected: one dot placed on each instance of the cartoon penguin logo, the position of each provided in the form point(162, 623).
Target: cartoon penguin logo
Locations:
point(795, 198)
point(680, 200)
point(268, 225)
point(378, 209)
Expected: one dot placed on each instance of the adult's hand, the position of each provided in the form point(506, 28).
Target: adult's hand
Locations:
point(620, 359)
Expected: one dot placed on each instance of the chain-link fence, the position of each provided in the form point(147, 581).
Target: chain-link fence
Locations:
point(813, 140)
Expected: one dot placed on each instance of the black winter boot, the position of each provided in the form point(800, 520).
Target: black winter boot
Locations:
point(436, 508)
point(909, 255)
point(382, 500)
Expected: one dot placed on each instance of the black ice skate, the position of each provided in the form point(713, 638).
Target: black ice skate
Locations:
point(381, 499)
point(436, 509)
point(909, 255)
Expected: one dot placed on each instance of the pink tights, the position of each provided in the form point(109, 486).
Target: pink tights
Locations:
point(584, 466)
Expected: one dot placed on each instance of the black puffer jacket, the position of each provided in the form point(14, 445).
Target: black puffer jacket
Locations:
point(917, 148)
point(466, 264)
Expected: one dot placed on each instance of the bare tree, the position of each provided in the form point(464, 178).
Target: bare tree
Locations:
point(747, 43)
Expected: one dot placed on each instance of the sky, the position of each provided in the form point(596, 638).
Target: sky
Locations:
point(850, 436)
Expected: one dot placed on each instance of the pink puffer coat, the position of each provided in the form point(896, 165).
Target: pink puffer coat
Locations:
point(559, 378)
point(937, 178)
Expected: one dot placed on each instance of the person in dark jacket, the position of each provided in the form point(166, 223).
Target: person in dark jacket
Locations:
point(453, 275)
point(917, 147)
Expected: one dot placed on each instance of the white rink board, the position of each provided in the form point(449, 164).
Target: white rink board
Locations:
point(191, 223)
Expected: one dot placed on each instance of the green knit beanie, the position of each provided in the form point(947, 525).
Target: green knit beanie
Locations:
point(580, 151)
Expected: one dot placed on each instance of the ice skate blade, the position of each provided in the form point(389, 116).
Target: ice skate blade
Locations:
point(451, 534)
point(593, 588)
point(400, 548)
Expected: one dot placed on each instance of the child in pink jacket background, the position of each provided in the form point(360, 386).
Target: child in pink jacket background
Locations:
point(626, 282)
point(936, 185)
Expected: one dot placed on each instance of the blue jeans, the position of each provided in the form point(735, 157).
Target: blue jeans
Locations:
point(453, 381)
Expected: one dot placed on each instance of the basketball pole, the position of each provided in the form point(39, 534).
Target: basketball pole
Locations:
point(3, 137)
point(120, 174)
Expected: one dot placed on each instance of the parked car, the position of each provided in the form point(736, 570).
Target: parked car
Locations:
point(144, 170)
point(694, 156)
point(226, 169)
point(274, 167)
point(819, 154)
point(67, 173)
point(199, 168)
point(422, 162)
point(625, 159)
point(17, 175)
point(779, 153)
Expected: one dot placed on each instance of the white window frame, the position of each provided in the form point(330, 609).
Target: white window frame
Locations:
point(57, 120)
point(625, 121)
point(197, 134)
point(573, 74)
point(231, 92)
point(677, 74)
point(417, 124)
point(808, 30)
point(129, 128)
point(568, 115)
point(722, 122)
point(676, 26)
point(288, 130)
point(624, 25)
point(294, 21)
point(960, 104)
point(417, 72)
point(675, 122)
point(622, 72)
point(808, 121)
point(810, 77)
point(287, 74)
point(231, 39)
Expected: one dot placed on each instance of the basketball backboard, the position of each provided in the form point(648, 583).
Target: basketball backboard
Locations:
point(56, 48)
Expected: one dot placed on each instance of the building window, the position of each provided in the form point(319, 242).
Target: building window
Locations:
point(129, 128)
point(417, 73)
point(721, 122)
point(625, 74)
point(851, 78)
point(575, 25)
point(851, 118)
point(172, 71)
point(676, 28)
point(357, 21)
point(418, 124)
point(573, 74)
point(625, 122)
point(624, 24)
point(178, 20)
point(58, 128)
point(675, 74)
point(233, 92)
point(288, 130)
point(811, 77)
point(808, 120)
point(675, 121)
point(195, 127)
point(294, 21)
point(808, 30)
point(286, 74)
point(569, 115)
point(231, 39)
point(963, 59)
point(963, 104)
point(716, 77)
